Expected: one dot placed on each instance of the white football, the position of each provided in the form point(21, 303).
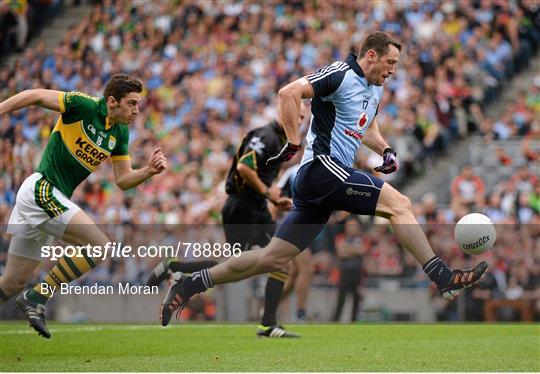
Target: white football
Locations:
point(475, 233)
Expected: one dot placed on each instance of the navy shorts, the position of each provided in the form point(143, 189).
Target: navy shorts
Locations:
point(321, 187)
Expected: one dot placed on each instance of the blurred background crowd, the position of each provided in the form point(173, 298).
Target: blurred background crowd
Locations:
point(22, 20)
point(211, 71)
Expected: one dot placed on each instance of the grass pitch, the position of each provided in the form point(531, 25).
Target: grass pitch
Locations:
point(209, 347)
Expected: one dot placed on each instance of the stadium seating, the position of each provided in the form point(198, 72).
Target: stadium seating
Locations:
point(212, 70)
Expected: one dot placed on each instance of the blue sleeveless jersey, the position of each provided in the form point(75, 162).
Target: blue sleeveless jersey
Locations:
point(343, 108)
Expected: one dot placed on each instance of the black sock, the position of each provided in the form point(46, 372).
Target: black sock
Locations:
point(199, 282)
point(272, 295)
point(438, 271)
point(300, 313)
point(3, 295)
point(190, 267)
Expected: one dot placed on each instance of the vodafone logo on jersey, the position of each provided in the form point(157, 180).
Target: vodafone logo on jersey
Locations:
point(354, 134)
point(363, 120)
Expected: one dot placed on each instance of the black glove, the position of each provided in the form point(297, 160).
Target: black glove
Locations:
point(288, 152)
point(390, 162)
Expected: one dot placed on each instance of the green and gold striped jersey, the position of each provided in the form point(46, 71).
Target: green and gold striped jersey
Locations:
point(81, 140)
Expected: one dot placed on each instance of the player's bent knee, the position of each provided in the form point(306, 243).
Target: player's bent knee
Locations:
point(276, 255)
point(403, 205)
point(82, 230)
point(267, 264)
point(270, 263)
point(399, 205)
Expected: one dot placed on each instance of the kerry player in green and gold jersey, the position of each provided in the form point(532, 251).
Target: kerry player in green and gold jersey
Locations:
point(89, 130)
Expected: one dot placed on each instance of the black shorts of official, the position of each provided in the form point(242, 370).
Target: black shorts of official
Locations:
point(247, 222)
point(321, 187)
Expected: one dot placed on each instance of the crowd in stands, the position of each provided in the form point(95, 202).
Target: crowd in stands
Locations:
point(22, 20)
point(211, 71)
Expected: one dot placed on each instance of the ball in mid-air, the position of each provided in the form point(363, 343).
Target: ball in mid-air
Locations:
point(475, 233)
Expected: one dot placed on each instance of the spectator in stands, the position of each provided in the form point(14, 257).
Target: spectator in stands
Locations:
point(8, 24)
point(468, 188)
point(429, 131)
point(350, 250)
point(503, 157)
point(530, 148)
point(429, 212)
point(524, 180)
point(534, 198)
point(20, 9)
point(533, 96)
point(486, 289)
point(493, 208)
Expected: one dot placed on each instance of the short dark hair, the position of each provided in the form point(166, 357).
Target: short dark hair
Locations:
point(379, 42)
point(120, 85)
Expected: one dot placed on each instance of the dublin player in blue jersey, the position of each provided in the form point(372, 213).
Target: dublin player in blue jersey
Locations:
point(345, 99)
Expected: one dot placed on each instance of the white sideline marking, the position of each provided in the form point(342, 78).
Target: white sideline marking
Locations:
point(29, 330)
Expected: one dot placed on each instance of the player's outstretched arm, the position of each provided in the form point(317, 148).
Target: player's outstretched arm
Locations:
point(373, 139)
point(39, 96)
point(290, 103)
point(126, 178)
point(290, 99)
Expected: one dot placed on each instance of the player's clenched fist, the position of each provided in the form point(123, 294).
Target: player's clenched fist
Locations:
point(157, 162)
point(288, 152)
point(390, 162)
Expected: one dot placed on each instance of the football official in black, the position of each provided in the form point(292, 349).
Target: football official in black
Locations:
point(246, 218)
point(249, 186)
